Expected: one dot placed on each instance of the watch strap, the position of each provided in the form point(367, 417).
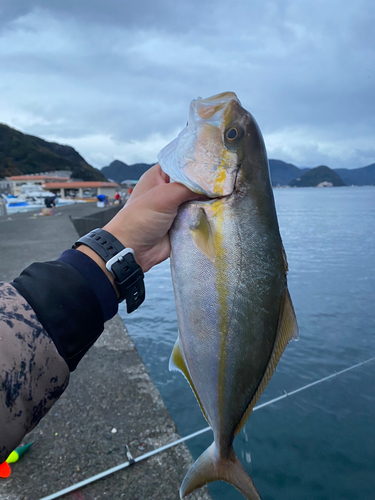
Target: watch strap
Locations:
point(128, 275)
point(102, 242)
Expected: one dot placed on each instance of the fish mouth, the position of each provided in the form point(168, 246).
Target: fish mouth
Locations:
point(198, 157)
point(207, 108)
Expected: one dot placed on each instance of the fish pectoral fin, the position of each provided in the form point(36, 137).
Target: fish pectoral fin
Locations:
point(210, 467)
point(177, 363)
point(201, 232)
point(286, 331)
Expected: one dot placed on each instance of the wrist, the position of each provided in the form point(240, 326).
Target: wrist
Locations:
point(124, 273)
point(100, 262)
point(127, 241)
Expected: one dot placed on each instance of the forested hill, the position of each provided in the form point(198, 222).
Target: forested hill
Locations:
point(316, 176)
point(282, 173)
point(358, 176)
point(119, 171)
point(25, 154)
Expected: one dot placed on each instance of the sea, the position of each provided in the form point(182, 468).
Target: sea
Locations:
point(319, 443)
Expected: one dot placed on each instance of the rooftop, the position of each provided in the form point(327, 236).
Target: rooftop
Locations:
point(80, 184)
point(39, 177)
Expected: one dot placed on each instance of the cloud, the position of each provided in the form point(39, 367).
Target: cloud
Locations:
point(115, 78)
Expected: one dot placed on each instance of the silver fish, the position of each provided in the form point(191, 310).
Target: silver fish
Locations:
point(229, 268)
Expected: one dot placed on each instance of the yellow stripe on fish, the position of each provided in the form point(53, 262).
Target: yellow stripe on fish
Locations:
point(222, 173)
point(223, 293)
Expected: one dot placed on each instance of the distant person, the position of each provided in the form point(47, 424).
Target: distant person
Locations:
point(53, 312)
point(118, 199)
point(50, 201)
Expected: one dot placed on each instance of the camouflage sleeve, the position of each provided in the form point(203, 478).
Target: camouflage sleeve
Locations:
point(33, 375)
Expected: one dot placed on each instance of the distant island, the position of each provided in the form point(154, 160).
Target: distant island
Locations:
point(318, 177)
point(26, 154)
point(287, 174)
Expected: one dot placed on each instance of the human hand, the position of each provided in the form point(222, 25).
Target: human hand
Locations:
point(145, 220)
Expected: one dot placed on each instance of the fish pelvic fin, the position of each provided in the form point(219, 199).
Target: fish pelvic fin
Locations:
point(177, 363)
point(286, 331)
point(210, 467)
point(202, 235)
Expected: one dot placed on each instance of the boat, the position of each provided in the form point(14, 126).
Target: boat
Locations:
point(32, 197)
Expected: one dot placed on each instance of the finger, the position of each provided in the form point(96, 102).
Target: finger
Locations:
point(148, 181)
point(168, 197)
point(165, 176)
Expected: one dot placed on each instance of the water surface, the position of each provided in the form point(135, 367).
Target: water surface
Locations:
point(320, 443)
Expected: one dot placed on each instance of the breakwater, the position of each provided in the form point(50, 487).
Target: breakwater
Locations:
point(110, 404)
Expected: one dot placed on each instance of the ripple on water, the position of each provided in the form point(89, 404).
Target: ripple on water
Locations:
point(319, 444)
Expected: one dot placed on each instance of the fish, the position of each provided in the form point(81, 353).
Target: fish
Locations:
point(229, 272)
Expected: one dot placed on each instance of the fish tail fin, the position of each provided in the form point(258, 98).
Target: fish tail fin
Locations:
point(211, 467)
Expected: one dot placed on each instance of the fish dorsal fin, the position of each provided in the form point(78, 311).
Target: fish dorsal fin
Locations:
point(286, 331)
point(201, 233)
point(177, 363)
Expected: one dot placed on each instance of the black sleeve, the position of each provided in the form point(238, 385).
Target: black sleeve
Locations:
point(71, 304)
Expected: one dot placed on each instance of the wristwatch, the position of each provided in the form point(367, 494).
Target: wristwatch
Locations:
point(120, 262)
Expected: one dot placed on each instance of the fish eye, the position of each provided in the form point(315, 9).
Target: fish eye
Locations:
point(232, 134)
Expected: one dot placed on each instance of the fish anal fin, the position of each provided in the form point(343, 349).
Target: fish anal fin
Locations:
point(210, 467)
point(286, 331)
point(201, 233)
point(177, 363)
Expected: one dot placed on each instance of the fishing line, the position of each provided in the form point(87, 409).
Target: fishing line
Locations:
point(132, 460)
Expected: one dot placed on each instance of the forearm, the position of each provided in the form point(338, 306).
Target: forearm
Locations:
point(49, 317)
point(33, 375)
point(72, 298)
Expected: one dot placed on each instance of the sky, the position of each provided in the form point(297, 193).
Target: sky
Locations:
point(114, 78)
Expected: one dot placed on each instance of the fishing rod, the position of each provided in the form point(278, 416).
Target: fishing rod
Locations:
point(132, 461)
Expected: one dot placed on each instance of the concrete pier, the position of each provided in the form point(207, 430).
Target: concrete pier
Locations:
point(110, 402)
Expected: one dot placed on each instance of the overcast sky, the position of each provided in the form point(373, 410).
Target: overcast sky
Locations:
point(114, 78)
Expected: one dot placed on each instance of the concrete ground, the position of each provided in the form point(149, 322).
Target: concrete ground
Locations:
point(110, 402)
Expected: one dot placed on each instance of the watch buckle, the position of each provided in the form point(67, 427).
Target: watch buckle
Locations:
point(117, 257)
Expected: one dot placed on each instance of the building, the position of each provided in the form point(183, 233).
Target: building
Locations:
point(6, 186)
point(16, 181)
point(129, 183)
point(82, 189)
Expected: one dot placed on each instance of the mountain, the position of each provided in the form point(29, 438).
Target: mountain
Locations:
point(119, 171)
point(25, 154)
point(315, 176)
point(282, 173)
point(358, 176)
